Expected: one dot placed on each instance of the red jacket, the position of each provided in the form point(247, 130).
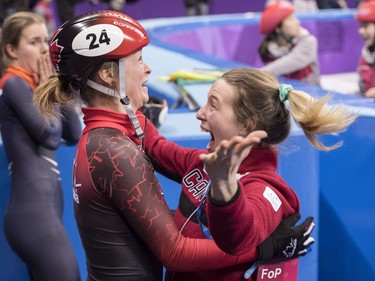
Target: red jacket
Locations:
point(366, 71)
point(246, 222)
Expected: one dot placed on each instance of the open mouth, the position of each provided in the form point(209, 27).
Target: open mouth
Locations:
point(144, 88)
point(210, 145)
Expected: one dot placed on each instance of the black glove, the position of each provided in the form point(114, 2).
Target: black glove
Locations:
point(288, 241)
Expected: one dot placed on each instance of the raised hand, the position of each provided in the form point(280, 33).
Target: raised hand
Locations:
point(222, 164)
point(45, 69)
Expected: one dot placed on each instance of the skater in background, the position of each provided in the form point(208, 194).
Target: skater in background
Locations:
point(33, 219)
point(288, 49)
point(365, 15)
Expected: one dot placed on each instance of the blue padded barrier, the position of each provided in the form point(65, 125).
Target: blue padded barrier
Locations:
point(347, 209)
point(237, 37)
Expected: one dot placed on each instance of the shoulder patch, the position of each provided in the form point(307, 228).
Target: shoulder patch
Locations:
point(272, 197)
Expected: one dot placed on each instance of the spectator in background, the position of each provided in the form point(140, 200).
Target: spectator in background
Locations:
point(288, 49)
point(8, 7)
point(116, 5)
point(305, 6)
point(33, 219)
point(332, 4)
point(302, 6)
point(366, 69)
point(66, 9)
point(44, 9)
point(196, 7)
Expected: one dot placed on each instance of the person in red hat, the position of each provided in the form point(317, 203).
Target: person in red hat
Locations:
point(288, 49)
point(366, 69)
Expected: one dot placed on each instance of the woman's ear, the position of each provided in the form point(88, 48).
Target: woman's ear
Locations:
point(248, 129)
point(244, 131)
point(107, 76)
point(11, 51)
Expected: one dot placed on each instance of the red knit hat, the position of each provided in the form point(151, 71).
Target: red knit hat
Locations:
point(274, 14)
point(366, 12)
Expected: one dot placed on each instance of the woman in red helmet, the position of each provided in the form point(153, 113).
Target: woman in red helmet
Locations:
point(288, 49)
point(366, 70)
point(125, 225)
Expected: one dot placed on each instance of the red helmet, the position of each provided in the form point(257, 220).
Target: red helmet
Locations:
point(366, 12)
point(274, 14)
point(85, 41)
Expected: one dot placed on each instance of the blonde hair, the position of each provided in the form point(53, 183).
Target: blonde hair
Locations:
point(62, 90)
point(51, 93)
point(258, 107)
point(315, 117)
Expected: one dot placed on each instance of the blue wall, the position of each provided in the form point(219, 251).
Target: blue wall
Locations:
point(347, 209)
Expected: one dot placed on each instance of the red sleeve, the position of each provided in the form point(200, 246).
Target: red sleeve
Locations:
point(168, 158)
point(134, 191)
point(246, 221)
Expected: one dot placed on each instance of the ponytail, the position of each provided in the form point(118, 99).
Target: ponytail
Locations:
point(315, 117)
point(52, 92)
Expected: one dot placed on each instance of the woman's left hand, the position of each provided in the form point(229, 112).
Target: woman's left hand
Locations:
point(222, 164)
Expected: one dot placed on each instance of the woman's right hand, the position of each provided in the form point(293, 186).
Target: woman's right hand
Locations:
point(45, 69)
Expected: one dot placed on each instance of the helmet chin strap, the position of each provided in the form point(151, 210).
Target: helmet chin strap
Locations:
point(123, 97)
point(126, 102)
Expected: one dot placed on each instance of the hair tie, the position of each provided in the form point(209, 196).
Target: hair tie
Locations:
point(284, 89)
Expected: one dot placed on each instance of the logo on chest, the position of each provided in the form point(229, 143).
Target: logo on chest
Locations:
point(195, 184)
